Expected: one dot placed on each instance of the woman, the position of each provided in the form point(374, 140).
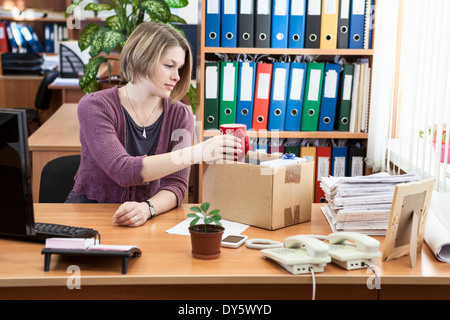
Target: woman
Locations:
point(137, 140)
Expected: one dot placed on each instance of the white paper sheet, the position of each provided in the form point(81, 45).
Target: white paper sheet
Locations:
point(230, 228)
point(437, 234)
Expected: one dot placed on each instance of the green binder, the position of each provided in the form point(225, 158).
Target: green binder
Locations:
point(312, 98)
point(345, 98)
point(228, 92)
point(211, 101)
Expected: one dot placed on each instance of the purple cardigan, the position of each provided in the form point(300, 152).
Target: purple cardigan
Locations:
point(107, 172)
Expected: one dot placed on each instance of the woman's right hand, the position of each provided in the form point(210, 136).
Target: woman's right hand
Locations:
point(219, 148)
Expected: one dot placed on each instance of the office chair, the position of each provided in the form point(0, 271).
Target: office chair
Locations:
point(42, 100)
point(57, 179)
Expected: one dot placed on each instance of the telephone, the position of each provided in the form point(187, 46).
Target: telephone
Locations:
point(360, 253)
point(301, 254)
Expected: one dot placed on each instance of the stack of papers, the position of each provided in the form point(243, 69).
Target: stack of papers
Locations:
point(361, 204)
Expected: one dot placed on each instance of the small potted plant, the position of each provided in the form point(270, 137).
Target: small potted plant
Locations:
point(206, 237)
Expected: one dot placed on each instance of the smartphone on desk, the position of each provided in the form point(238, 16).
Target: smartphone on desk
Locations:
point(234, 241)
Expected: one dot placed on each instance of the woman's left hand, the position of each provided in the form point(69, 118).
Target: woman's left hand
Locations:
point(132, 214)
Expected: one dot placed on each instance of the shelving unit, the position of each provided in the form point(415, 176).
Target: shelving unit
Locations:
point(206, 52)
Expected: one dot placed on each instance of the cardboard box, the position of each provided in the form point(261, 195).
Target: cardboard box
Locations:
point(265, 197)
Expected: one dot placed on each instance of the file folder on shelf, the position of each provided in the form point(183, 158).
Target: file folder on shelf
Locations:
point(294, 106)
point(328, 104)
point(246, 92)
point(356, 163)
point(277, 107)
point(313, 93)
point(313, 22)
point(343, 24)
point(3, 38)
point(229, 24)
point(228, 93)
point(262, 96)
point(212, 25)
point(345, 98)
point(323, 167)
point(329, 24)
point(297, 20)
point(211, 109)
point(339, 161)
point(357, 17)
point(263, 23)
point(280, 23)
point(246, 24)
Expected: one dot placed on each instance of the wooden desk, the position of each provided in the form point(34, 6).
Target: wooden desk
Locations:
point(58, 136)
point(167, 270)
point(70, 94)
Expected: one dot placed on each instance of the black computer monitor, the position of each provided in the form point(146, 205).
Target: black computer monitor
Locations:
point(16, 203)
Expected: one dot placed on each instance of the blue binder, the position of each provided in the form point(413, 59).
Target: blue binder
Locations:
point(280, 23)
point(329, 97)
point(229, 23)
point(278, 94)
point(339, 161)
point(294, 97)
point(246, 92)
point(357, 17)
point(12, 42)
point(212, 24)
point(29, 39)
point(49, 35)
point(297, 24)
point(36, 39)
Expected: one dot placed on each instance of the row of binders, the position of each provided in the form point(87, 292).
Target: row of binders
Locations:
point(288, 96)
point(362, 203)
point(18, 38)
point(333, 158)
point(324, 24)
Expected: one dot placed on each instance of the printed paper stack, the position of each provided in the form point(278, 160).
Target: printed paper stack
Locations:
point(361, 204)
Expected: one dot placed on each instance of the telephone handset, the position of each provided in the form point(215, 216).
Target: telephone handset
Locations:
point(361, 252)
point(301, 254)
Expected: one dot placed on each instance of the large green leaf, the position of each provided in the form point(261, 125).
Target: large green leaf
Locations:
point(177, 19)
point(158, 10)
point(97, 41)
point(113, 22)
point(112, 39)
point(90, 74)
point(70, 8)
point(177, 3)
point(85, 39)
point(96, 7)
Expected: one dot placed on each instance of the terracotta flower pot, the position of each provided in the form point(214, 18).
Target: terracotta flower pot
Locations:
point(206, 245)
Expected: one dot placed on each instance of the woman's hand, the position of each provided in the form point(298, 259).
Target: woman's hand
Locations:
point(132, 214)
point(222, 147)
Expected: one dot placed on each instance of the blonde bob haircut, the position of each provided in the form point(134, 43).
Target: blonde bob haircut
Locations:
point(144, 49)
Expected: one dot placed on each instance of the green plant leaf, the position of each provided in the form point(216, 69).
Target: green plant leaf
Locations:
point(112, 39)
point(207, 220)
point(157, 10)
point(90, 86)
point(214, 212)
point(177, 3)
point(96, 7)
point(91, 70)
point(176, 19)
point(196, 209)
point(70, 8)
point(97, 41)
point(192, 95)
point(192, 215)
point(194, 222)
point(205, 206)
point(113, 22)
point(86, 36)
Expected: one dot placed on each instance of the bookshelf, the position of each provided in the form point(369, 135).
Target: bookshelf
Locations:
point(207, 53)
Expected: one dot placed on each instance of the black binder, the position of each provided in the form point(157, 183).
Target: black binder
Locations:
point(313, 21)
point(343, 24)
point(263, 23)
point(246, 24)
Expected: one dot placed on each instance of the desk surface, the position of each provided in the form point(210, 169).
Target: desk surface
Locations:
point(60, 132)
point(166, 258)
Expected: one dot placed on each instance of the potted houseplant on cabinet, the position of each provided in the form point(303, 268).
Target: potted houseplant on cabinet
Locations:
point(206, 237)
point(102, 38)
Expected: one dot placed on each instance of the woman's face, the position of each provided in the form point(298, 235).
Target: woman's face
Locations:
point(166, 74)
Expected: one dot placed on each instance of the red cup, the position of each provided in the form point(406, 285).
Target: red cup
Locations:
point(240, 131)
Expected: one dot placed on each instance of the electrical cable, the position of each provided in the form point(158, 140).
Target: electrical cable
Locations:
point(313, 283)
